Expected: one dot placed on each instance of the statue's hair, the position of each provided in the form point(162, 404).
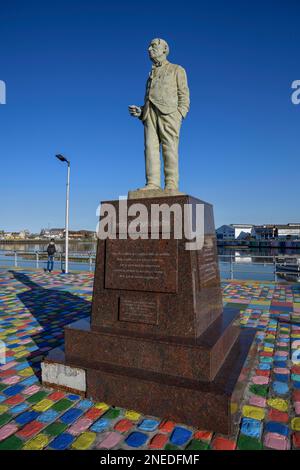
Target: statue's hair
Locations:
point(164, 43)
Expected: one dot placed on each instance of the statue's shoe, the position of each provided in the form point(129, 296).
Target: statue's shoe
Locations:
point(171, 188)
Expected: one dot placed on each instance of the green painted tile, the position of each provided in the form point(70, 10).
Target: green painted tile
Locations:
point(55, 428)
point(196, 444)
point(260, 390)
point(5, 418)
point(62, 405)
point(249, 443)
point(171, 447)
point(11, 443)
point(2, 387)
point(112, 413)
point(37, 397)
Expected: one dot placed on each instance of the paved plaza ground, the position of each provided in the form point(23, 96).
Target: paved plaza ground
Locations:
point(35, 307)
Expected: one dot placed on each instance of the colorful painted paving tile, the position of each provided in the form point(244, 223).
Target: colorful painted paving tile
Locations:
point(34, 309)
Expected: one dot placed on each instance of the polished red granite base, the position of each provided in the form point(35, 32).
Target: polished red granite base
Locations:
point(160, 341)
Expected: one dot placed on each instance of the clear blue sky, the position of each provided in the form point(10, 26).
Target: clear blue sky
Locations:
point(72, 68)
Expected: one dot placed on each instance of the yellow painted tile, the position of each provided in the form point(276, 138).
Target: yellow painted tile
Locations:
point(43, 405)
point(102, 406)
point(21, 354)
point(132, 415)
point(253, 412)
point(37, 443)
point(84, 441)
point(278, 404)
point(3, 409)
point(296, 424)
point(26, 372)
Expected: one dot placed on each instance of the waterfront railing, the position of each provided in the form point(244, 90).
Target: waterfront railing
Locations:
point(232, 266)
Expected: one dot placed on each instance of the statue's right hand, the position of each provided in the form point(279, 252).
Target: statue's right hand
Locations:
point(135, 111)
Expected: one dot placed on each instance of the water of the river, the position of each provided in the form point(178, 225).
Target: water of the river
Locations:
point(256, 264)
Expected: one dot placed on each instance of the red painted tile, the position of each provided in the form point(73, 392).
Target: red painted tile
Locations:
point(263, 373)
point(266, 354)
point(7, 373)
point(30, 429)
point(166, 426)
point(56, 396)
point(15, 400)
point(220, 443)
point(203, 435)
point(276, 415)
point(93, 413)
point(158, 441)
point(296, 395)
point(296, 369)
point(296, 439)
point(123, 425)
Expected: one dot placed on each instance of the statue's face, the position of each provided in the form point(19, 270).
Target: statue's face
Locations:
point(156, 50)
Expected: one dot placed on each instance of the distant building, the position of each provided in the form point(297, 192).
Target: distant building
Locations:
point(267, 232)
point(56, 233)
point(234, 231)
point(225, 232)
point(259, 232)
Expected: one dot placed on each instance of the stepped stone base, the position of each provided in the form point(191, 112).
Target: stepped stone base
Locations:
point(160, 341)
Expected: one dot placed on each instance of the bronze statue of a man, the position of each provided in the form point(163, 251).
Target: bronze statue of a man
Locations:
point(166, 104)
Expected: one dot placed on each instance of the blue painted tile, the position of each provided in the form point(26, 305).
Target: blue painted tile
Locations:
point(84, 404)
point(62, 442)
point(180, 436)
point(19, 408)
point(251, 427)
point(278, 428)
point(73, 397)
point(48, 416)
point(71, 415)
point(14, 390)
point(148, 424)
point(282, 377)
point(30, 381)
point(136, 439)
point(101, 425)
point(280, 388)
point(26, 417)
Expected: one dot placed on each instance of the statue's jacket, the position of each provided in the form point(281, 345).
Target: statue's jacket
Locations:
point(167, 89)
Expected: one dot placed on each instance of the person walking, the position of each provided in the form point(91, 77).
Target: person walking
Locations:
point(51, 250)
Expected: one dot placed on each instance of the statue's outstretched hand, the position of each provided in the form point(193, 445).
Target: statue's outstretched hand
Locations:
point(135, 111)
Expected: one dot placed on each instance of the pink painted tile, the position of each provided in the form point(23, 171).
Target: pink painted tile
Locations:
point(7, 430)
point(11, 380)
point(282, 353)
point(276, 441)
point(297, 407)
point(31, 390)
point(255, 400)
point(80, 426)
point(9, 365)
point(111, 439)
point(281, 370)
point(260, 380)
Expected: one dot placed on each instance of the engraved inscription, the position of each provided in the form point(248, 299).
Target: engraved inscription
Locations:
point(207, 262)
point(139, 311)
point(146, 265)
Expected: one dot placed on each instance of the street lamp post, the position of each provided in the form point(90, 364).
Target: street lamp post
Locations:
point(64, 159)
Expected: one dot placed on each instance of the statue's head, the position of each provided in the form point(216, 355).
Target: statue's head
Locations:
point(158, 50)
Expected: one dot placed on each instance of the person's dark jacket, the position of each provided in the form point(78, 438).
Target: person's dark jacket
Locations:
point(51, 250)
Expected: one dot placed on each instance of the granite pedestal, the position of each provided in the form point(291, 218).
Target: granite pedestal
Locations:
point(160, 341)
